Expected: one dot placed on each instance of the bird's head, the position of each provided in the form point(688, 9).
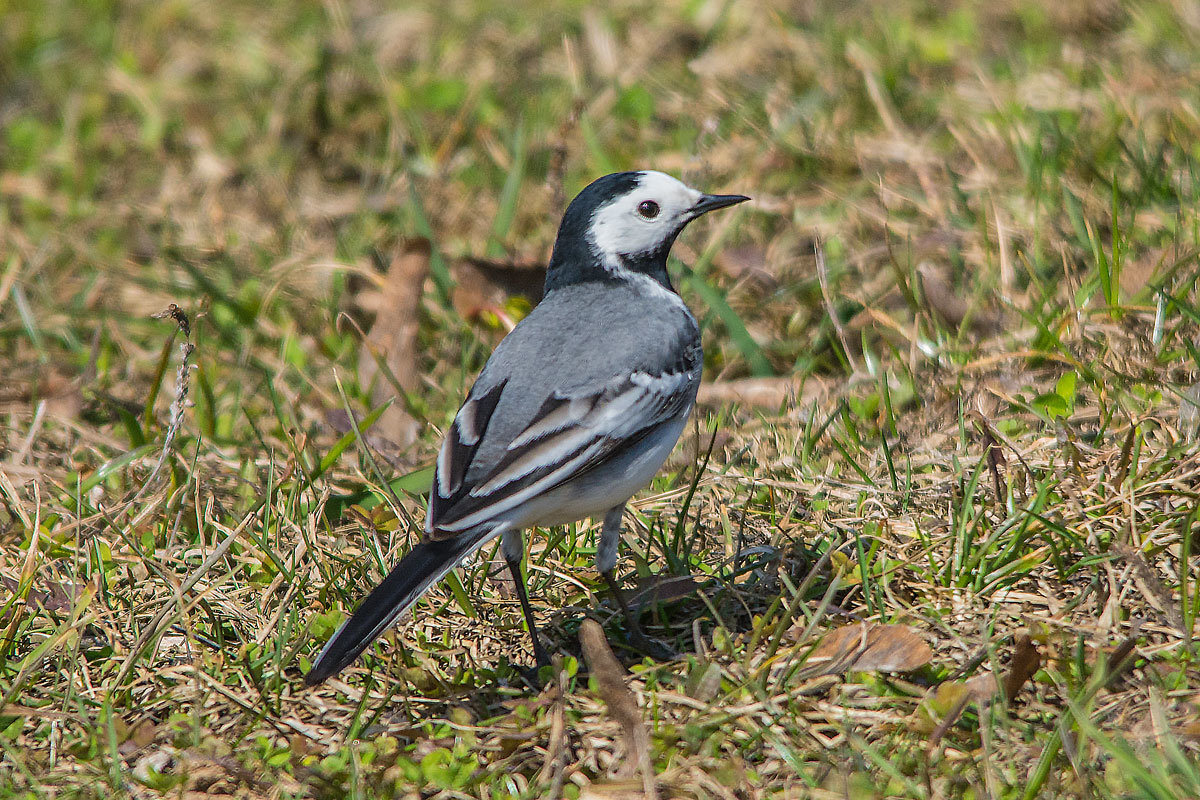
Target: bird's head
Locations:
point(626, 223)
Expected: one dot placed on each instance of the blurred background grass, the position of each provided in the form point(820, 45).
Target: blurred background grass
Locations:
point(250, 160)
point(1003, 198)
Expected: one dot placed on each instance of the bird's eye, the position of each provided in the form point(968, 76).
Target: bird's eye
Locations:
point(648, 209)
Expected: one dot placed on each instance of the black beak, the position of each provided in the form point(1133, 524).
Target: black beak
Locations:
point(711, 202)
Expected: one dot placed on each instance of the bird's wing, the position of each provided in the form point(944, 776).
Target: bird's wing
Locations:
point(569, 434)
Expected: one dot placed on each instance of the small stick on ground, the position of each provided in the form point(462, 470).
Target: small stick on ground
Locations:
point(610, 682)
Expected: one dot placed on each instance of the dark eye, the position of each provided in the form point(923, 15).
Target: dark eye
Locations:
point(648, 209)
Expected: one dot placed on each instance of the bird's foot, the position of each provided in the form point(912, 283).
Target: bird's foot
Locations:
point(532, 675)
point(541, 658)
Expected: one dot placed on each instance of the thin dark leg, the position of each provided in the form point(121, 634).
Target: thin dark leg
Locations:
point(637, 637)
point(539, 653)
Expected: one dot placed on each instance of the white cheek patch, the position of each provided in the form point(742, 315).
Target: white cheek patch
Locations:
point(618, 229)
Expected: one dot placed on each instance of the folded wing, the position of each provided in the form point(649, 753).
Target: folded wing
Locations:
point(568, 435)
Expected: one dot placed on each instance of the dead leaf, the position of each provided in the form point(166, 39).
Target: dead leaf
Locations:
point(663, 589)
point(1026, 661)
point(57, 596)
point(983, 687)
point(1123, 657)
point(139, 736)
point(1136, 273)
point(766, 393)
point(866, 647)
point(941, 707)
point(392, 339)
point(1124, 460)
point(748, 262)
point(483, 285)
point(943, 301)
point(622, 705)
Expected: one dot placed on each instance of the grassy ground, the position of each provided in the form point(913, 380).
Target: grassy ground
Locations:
point(948, 350)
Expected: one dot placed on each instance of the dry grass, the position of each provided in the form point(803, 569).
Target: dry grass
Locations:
point(949, 354)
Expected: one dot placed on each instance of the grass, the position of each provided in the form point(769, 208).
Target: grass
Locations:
point(976, 425)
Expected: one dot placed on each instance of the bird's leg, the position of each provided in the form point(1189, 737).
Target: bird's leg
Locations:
point(513, 546)
point(606, 563)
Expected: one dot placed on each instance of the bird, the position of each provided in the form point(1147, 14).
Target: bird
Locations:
point(575, 411)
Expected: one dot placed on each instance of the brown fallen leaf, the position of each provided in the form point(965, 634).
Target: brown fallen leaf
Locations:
point(483, 285)
point(983, 687)
point(867, 647)
point(959, 696)
point(391, 342)
point(1026, 661)
point(942, 300)
point(1125, 458)
point(138, 736)
point(622, 705)
point(1123, 656)
point(945, 703)
point(1137, 273)
point(662, 589)
point(56, 597)
point(62, 396)
point(747, 262)
point(766, 393)
point(940, 707)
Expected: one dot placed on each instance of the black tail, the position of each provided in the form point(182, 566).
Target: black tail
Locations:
point(403, 586)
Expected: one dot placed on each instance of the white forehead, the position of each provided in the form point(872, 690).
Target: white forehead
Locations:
point(617, 227)
point(665, 189)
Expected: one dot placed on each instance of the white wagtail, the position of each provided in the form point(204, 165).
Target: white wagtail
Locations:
point(575, 411)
